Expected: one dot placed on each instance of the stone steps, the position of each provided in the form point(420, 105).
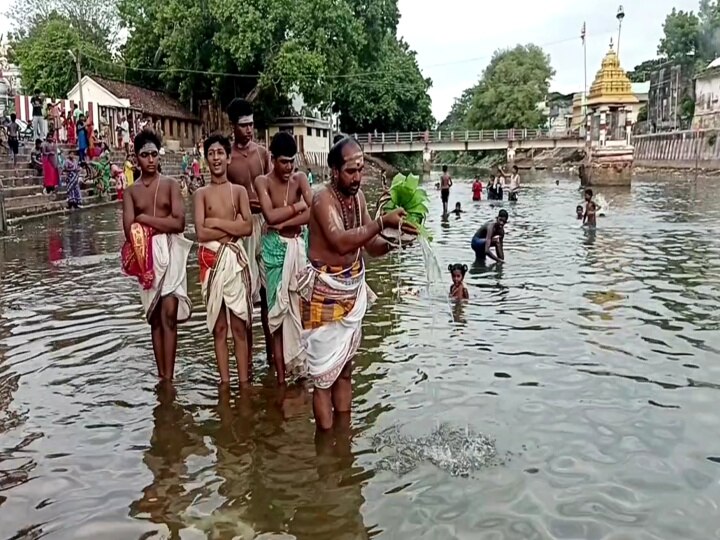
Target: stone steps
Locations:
point(51, 204)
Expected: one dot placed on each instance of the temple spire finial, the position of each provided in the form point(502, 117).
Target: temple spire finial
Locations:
point(611, 44)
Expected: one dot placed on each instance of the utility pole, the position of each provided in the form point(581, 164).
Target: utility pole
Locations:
point(76, 59)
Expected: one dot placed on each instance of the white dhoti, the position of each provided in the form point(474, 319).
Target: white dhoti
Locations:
point(283, 259)
point(170, 255)
point(253, 244)
point(332, 329)
point(225, 278)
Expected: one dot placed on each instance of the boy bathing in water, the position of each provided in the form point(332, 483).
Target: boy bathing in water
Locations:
point(579, 212)
point(491, 234)
point(591, 209)
point(222, 219)
point(458, 209)
point(458, 291)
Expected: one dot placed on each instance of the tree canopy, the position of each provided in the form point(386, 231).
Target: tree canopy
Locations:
point(42, 52)
point(511, 86)
point(680, 35)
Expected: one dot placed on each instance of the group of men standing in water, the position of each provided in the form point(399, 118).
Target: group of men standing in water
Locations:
point(265, 238)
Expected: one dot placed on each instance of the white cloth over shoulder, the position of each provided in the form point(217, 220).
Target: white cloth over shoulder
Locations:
point(170, 255)
point(227, 281)
point(286, 310)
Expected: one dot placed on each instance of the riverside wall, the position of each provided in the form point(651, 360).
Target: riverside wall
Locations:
point(691, 149)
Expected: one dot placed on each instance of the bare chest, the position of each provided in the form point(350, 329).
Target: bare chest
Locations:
point(220, 202)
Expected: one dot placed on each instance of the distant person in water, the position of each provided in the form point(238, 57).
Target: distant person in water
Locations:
point(590, 218)
point(458, 291)
point(458, 209)
point(492, 188)
point(514, 184)
point(490, 235)
point(579, 211)
point(445, 185)
point(477, 189)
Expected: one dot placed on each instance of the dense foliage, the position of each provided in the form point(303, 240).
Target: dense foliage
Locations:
point(343, 54)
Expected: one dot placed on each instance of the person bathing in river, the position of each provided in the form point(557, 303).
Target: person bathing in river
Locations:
point(155, 251)
point(490, 235)
point(579, 212)
point(458, 291)
point(222, 219)
point(250, 160)
point(285, 198)
point(492, 188)
point(477, 189)
point(445, 185)
point(333, 292)
point(591, 208)
point(458, 209)
point(514, 187)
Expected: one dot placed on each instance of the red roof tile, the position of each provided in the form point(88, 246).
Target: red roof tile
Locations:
point(149, 101)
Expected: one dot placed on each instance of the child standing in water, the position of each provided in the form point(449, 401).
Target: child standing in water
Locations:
point(458, 291)
point(579, 212)
point(589, 218)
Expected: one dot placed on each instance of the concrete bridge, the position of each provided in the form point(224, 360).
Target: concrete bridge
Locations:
point(498, 139)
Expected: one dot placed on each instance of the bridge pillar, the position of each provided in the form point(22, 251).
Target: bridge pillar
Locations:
point(427, 160)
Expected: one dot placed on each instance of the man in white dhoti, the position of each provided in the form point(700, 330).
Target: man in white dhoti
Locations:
point(333, 292)
point(155, 251)
point(222, 218)
point(250, 160)
point(285, 199)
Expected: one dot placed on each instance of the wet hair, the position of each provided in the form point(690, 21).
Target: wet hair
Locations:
point(335, 156)
point(146, 136)
point(238, 107)
point(217, 138)
point(13, 116)
point(283, 145)
point(457, 267)
point(444, 168)
point(578, 207)
point(503, 214)
point(339, 137)
point(36, 91)
point(457, 204)
point(589, 191)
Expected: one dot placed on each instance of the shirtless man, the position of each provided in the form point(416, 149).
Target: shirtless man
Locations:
point(491, 234)
point(222, 217)
point(285, 197)
point(250, 160)
point(445, 185)
point(590, 218)
point(155, 251)
point(514, 187)
point(334, 295)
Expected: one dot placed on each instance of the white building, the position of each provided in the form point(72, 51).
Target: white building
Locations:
point(707, 97)
point(312, 135)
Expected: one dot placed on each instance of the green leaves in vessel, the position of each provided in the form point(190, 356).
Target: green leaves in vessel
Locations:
point(405, 193)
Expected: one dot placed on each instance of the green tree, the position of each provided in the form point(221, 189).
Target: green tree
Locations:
point(641, 72)
point(45, 63)
point(271, 49)
point(512, 85)
point(457, 117)
point(389, 95)
point(708, 38)
point(680, 36)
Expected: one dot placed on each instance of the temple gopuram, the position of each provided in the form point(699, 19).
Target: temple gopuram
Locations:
point(611, 112)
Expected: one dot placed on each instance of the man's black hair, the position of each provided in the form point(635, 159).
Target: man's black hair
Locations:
point(13, 116)
point(338, 137)
point(444, 168)
point(283, 145)
point(238, 107)
point(503, 214)
point(217, 138)
point(457, 267)
point(335, 156)
point(589, 191)
point(146, 136)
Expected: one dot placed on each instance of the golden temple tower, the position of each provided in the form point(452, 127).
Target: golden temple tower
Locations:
point(611, 86)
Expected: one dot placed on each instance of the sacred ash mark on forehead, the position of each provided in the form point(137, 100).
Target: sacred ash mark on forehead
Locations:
point(354, 161)
point(245, 119)
point(148, 147)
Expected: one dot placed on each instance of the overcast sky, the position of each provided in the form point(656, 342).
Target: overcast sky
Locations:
point(455, 39)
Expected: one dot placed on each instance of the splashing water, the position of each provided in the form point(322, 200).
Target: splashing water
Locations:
point(433, 274)
point(459, 452)
point(603, 203)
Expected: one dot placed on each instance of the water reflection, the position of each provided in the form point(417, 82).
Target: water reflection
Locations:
point(589, 355)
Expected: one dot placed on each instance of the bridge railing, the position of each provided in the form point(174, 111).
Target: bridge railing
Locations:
point(422, 137)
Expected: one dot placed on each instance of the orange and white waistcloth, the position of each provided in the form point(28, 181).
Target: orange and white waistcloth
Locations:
point(225, 280)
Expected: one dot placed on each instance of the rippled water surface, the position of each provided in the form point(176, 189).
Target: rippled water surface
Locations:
point(592, 359)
